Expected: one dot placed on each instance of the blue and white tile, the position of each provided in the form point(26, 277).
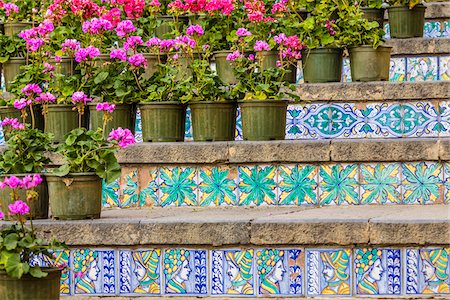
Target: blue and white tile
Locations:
point(138, 128)
point(446, 29)
point(294, 123)
point(383, 120)
point(420, 119)
point(347, 121)
point(422, 68)
point(188, 127)
point(432, 30)
point(444, 119)
point(397, 71)
point(316, 121)
point(444, 67)
point(238, 125)
point(346, 70)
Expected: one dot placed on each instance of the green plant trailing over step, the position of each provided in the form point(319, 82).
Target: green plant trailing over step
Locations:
point(371, 3)
point(410, 3)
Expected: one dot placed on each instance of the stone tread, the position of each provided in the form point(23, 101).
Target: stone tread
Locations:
point(419, 46)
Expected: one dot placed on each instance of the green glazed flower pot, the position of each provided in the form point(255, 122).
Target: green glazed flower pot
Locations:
point(268, 59)
point(163, 121)
point(29, 287)
point(322, 65)
point(224, 68)
point(11, 69)
point(38, 207)
point(374, 14)
point(405, 22)
point(123, 116)
point(369, 64)
point(213, 121)
point(263, 120)
point(77, 196)
point(14, 28)
point(168, 24)
point(60, 120)
point(153, 60)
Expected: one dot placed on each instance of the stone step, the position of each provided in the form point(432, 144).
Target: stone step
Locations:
point(419, 47)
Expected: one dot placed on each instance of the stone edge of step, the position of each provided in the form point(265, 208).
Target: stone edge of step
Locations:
point(419, 46)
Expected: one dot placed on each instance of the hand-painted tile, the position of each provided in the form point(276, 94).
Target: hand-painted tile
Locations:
point(294, 123)
point(185, 272)
point(397, 71)
point(432, 30)
point(447, 182)
point(300, 77)
point(311, 120)
point(444, 68)
point(138, 127)
point(346, 71)
point(280, 271)
point(238, 125)
point(444, 119)
point(420, 119)
point(140, 272)
point(338, 184)
point(446, 29)
point(148, 183)
point(94, 272)
point(110, 194)
point(422, 183)
point(218, 186)
point(380, 183)
point(347, 121)
point(377, 271)
point(59, 259)
point(427, 271)
point(129, 187)
point(328, 272)
point(232, 272)
point(188, 129)
point(383, 120)
point(178, 186)
point(387, 30)
point(297, 184)
point(422, 68)
point(257, 185)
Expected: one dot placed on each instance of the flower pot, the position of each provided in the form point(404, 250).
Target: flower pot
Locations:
point(11, 112)
point(152, 64)
point(168, 24)
point(12, 29)
point(11, 69)
point(263, 120)
point(291, 77)
point(76, 196)
point(66, 66)
point(405, 22)
point(213, 121)
point(60, 120)
point(163, 121)
point(322, 65)
point(123, 116)
point(369, 64)
point(374, 14)
point(29, 287)
point(224, 68)
point(38, 207)
point(100, 60)
point(268, 59)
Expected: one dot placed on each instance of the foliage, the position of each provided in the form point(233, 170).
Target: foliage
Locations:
point(11, 47)
point(371, 3)
point(27, 11)
point(410, 3)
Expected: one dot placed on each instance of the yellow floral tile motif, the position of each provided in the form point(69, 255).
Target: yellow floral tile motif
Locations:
point(178, 186)
point(338, 184)
point(148, 183)
point(257, 185)
point(297, 184)
point(422, 183)
point(380, 183)
point(129, 188)
point(447, 182)
point(217, 186)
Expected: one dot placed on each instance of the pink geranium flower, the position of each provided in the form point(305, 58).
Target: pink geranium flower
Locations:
point(138, 60)
point(105, 106)
point(19, 208)
point(124, 137)
point(119, 54)
point(21, 103)
point(195, 30)
point(261, 46)
point(80, 97)
point(13, 122)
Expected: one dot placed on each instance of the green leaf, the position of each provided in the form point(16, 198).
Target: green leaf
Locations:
point(11, 241)
point(101, 77)
point(37, 272)
point(62, 171)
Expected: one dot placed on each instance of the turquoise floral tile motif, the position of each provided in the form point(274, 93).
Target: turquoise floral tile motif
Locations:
point(188, 129)
point(257, 185)
point(218, 186)
point(447, 182)
point(422, 68)
point(422, 183)
point(148, 182)
point(138, 128)
point(444, 68)
point(110, 194)
point(432, 29)
point(129, 188)
point(338, 184)
point(380, 183)
point(178, 186)
point(420, 119)
point(297, 184)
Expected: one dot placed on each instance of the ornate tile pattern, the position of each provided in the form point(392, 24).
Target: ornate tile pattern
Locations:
point(380, 183)
point(257, 185)
point(422, 183)
point(422, 68)
point(148, 185)
point(178, 186)
point(338, 184)
point(432, 30)
point(297, 184)
point(110, 194)
point(444, 68)
point(447, 183)
point(129, 188)
point(218, 186)
point(397, 71)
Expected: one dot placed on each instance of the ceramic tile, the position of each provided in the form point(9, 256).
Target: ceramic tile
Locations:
point(148, 183)
point(444, 119)
point(300, 78)
point(238, 125)
point(447, 182)
point(422, 68)
point(338, 184)
point(139, 272)
point(315, 122)
point(60, 259)
point(387, 30)
point(446, 29)
point(422, 183)
point(178, 186)
point(232, 272)
point(94, 272)
point(129, 187)
point(185, 272)
point(420, 119)
point(280, 271)
point(377, 271)
point(328, 272)
point(397, 71)
point(294, 124)
point(257, 185)
point(444, 68)
point(427, 271)
point(383, 120)
point(346, 71)
point(297, 184)
point(380, 183)
point(432, 30)
point(110, 194)
point(218, 186)
point(138, 134)
point(188, 129)
point(347, 121)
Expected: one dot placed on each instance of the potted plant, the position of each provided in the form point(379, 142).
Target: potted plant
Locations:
point(75, 188)
point(406, 18)
point(18, 16)
point(373, 10)
point(20, 276)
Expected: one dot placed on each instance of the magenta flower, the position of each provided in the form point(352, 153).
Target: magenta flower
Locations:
point(243, 32)
point(30, 182)
point(2, 215)
point(261, 46)
point(167, 45)
point(31, 89)
point(153, 42)
point(70, 45)
point(279, 7)
point(58, 58)
point(124, 137)
point(119, 54)
point(96, 26)
point(10, 7)
point(80, 97)
point(46, 98)
point(34, 44)
point(12, 182)
point(195, 30)
point(21, 103)
point(233, 56)
point(27, 34)
point(125, 27)
point(132, 42)
point(105, 106)
point(48, 67)
point(19, 208)
point(83, 54)
point(138, 60)
point(13, 122)
point(45, 27)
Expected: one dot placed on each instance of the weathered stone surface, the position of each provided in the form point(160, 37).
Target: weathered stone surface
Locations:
point(437, 10)
point(409, 91)
point(414, 149)
point(444, 149)
point(416, 46)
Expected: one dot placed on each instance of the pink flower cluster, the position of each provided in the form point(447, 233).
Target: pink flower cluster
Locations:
point(31, 89)
point(225, 7)
point(105, 106)
point(132, 42)
point(125, 27)
point(22, 103)
point(113, 16)
point(329, 26)
point(137, 60)
point(18, 208)
point(34, 37)
point(279, 7)
point(13, 122)
point(119, 54)
point(233, 56)
point(10, 7)
point(195, 30)
point(261, 46)
point(132, 8)
point(243, 32)
point(28, 182)
point(97, 26)
point(70, 46)
point(85, 8)
point(2, 215)
point(290, 46)
point(153, 42)
point(46, 98)
point(124, 137)
point(83, 54)
point(80, 97)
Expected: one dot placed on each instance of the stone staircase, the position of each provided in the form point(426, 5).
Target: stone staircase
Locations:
point(354, 204)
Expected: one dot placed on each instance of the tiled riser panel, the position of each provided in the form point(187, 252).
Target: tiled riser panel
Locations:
point(259, 272)
point(277, 185)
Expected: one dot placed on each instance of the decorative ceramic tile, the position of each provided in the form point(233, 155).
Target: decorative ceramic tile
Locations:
point(377, 271)
point(110, 193)
point(138, 134)
point(185, 272)
point(59, 259)
point(294, 122)
point(232, 272)
point(419, 119)
point(188, 129)
point(446, 29)
point(257, 185)
point(383, 120)
point(427, 271)
point(300, 78)
point(447, 182)
point(297, 184)
point(328, 272)
point(387, 30)
point(148, 183)
point(422, 68)
point(380, 183)
point(346, 71)
point(422, 183)
point(432, 30)
point(397, 71)
point(444, 68)
point(347, 121)
point(129, 187)
point(280, 271)
point(238, 125)
point(94, 272)
point(218, 186)
point(444, 119)
point(140, 272)
point(338, 184)
point(178, 186)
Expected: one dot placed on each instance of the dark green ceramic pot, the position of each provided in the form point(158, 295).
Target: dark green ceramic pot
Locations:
point(405, 22)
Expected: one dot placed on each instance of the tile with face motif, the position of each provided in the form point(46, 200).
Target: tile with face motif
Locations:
point(421, 68)
point(94, 272)
point(185, 272)
point(422, 183)
point(232, 272)
point(397, 71)
point(444, 68)
point(427, 271)
point(328, 272)
point(377, 271)
point(139, 272)
point(148, 183)
point(447, 182)
point(380, 183)
point(338, 184)
point(110, 193)
point(178, 186)
point(432, 30)
point(257, 185)
point(129, 187)
point(297, 184)
point(300, 78)
point(218, 185)
point(280, 271)
point(59, 259)
point(420, 119)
